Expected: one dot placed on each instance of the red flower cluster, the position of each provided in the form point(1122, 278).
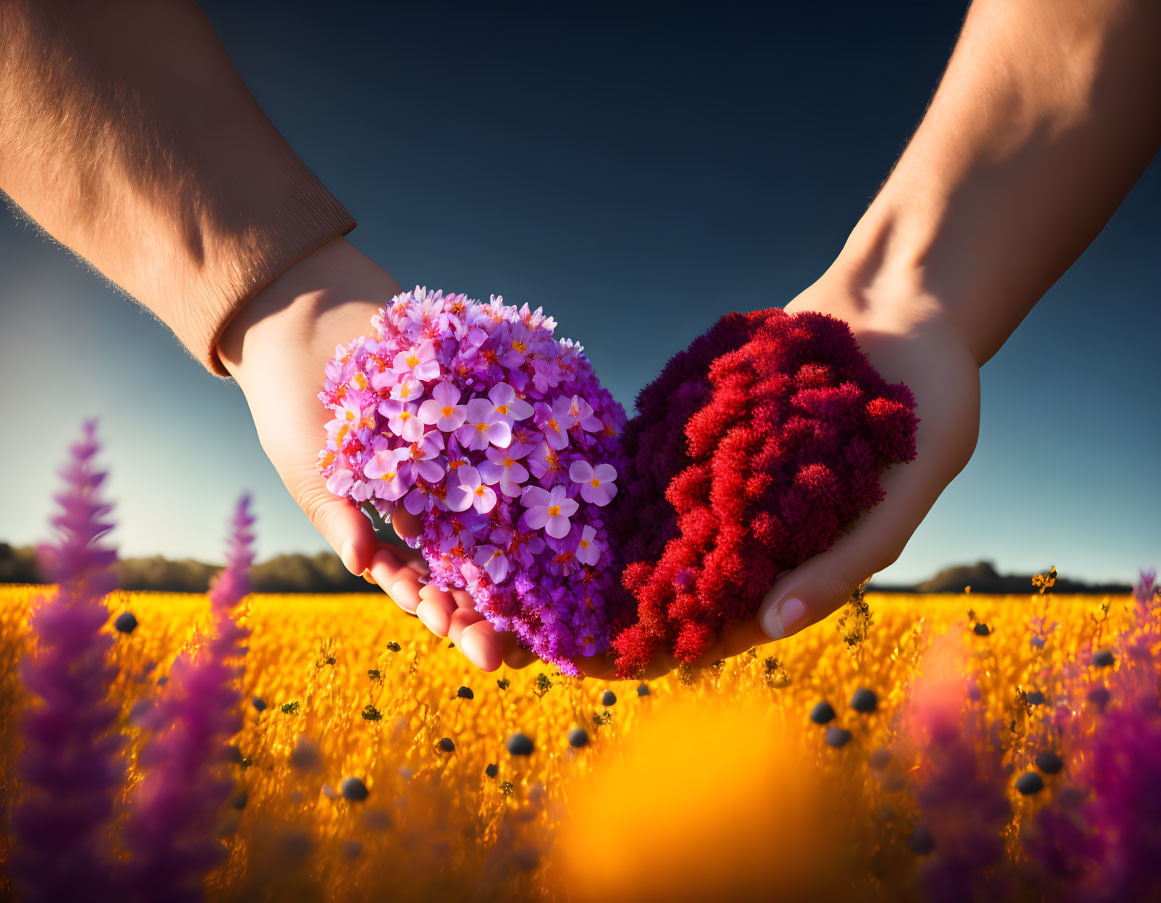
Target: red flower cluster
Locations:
point(749, 454)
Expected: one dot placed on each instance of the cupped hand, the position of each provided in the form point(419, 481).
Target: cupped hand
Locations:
point(276, 348)
point(908, 338)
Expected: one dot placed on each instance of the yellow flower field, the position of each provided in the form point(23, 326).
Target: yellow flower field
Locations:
point(707, 761)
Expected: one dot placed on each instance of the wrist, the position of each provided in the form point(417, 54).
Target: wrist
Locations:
point(333, 289)
point(885, 271)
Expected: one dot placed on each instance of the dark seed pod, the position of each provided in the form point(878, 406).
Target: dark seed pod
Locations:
point(879, 759)
point(1035, 697)
point(1103, 659)
point(1029, 782)
point(608, 698)
point(520, 745)
point(125, 622)
point(465, 693)
point(643, 690)
point(1099, 696)
point(578, 737)
point(354, 789)
point(1070, 797)
point(492, 770)
point(447, 745)
point(982, 629)
point(921, 842)
point(352, 849)
point(837, 737)
point(822, 713)
point(1049, 762)
point(864, 701)
point(259, 703)
point(239, 800)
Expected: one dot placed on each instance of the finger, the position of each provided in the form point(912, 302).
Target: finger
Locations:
point(514, 655)
point(481, 644)
point(435, 612)
point(345, 527)
point(406, 524)
point(445, 599)
point(461, 618)
point(405, 591)
point(387, 566)
point(463, 599)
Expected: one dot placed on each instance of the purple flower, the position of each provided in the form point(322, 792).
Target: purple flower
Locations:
point(402, 419)
point(503, 467)
point(71, 765)
point(443, 409)
point(494, 561)
point(588, 550)
point(418, 363)
point(554, 422)
point(506, 405)
point(470, 492)
point(484, 426)
point(386, 466)
point(596, 484)
point(548, 510)
point(172, 824)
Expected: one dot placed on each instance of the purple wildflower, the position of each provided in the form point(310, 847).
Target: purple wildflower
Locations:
point(959, 791)
point(171, 828)
point(71, 765)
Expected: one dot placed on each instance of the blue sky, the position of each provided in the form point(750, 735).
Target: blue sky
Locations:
point(638, 170)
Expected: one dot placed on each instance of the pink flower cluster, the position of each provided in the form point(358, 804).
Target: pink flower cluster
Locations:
point(502, 440)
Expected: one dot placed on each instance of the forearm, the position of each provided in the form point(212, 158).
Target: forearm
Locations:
point(128, 135)
point(1046, 116)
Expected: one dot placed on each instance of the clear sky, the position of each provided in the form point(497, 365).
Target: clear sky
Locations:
point(638, 170)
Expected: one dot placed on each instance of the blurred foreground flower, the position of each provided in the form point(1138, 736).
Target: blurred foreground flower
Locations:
point(709, 804)
point(172, 829)
point(71, 765)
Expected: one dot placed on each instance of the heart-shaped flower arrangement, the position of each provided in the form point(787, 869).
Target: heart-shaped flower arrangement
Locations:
point(751, 452)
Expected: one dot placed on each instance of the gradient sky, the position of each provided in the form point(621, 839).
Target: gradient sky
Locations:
point(638, 170)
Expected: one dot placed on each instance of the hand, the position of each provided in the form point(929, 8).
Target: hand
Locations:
point(275, 348)
point(908, 339)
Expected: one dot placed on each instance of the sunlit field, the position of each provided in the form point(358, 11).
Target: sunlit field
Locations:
point(701, 782)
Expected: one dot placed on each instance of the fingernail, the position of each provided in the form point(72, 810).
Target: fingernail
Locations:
point(348, 556)
point(782, 620)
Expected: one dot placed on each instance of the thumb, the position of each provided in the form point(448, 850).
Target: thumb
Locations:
point(348, 531)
